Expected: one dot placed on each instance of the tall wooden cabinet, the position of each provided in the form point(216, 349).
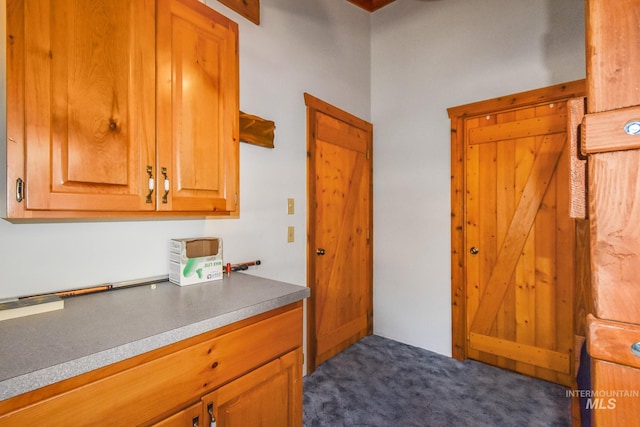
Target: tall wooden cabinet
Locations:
point(120, 108)
point(613, 147)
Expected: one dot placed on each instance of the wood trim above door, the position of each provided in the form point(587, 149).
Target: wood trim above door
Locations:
point(458, 187)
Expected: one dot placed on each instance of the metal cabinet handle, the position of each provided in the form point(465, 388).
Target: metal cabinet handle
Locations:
point(166, 185)
point(320, 251)
point(212, 418)
point(151, 184)
point(474, 250)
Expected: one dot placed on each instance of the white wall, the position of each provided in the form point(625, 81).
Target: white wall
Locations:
point(428, 55)
point(425, 56)
point(320, 47)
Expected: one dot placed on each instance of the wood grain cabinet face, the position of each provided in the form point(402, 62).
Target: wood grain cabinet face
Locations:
point(189, 417)
point(84, 74)
point(93, 132)
point(253, 372)
point(198, 107)
point(270, 395)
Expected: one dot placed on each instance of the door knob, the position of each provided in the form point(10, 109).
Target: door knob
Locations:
point(320, 251)
point(474, 250)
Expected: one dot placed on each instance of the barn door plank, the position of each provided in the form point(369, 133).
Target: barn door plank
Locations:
point(542, 171)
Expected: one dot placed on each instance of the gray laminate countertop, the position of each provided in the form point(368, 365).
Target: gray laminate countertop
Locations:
point(99, 329)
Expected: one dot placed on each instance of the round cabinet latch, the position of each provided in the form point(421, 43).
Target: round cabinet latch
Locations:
point(635, 348)
point(632, 128)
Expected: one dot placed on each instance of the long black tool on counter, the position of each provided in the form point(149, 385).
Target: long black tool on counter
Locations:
point(244, 265)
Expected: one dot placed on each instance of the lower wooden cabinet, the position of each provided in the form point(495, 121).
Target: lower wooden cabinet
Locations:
point(615, 394)
point(245, 374)
point(191, 416)
point(266, 396)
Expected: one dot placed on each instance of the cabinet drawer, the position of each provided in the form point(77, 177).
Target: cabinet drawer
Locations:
point(164, 385)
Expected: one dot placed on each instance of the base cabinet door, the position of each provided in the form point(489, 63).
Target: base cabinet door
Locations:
point(189, 417)
point(267, 396)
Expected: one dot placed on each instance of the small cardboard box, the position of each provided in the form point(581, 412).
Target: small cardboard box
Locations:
point(195, 260)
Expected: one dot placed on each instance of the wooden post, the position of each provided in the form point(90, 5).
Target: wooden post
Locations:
point(613, 94)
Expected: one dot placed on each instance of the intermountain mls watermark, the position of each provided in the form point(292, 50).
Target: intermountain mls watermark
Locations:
point(603, 399)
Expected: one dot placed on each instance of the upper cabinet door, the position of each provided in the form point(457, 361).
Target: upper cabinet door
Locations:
point(89, 102)
point(197, 109)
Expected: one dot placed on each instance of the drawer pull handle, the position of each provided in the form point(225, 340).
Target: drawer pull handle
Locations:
point(635, 348)
point(166, 185)
point(212, 418)
point(19, 190)
point(151, 184)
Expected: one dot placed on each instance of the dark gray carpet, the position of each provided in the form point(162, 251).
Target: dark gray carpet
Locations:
point(379, 382)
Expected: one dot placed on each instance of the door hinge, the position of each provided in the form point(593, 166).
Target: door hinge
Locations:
point(19, 190)
point(368, 154)
point(368, 234)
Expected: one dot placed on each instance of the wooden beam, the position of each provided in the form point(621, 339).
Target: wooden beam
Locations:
point(611, 341)
point(250, 9)
point(613, 57)
point(371, 5)
point(519, 129)
point(257, 131)
point(542, 357)
point(605, 131)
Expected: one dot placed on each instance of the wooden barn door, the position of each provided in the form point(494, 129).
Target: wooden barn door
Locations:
point(340, 223)
point(516, 249)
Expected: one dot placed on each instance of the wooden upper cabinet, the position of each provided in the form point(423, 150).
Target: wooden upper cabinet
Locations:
point(120, 109)
point(198, 108)
point(88, 89)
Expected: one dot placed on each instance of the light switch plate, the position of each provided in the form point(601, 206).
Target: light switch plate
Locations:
point(290, 234)
point(290, 206)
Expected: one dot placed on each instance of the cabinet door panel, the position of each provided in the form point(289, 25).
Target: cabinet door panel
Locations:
point(197, 107)
point(270, 396)
point(189, 417)
point(90, 97)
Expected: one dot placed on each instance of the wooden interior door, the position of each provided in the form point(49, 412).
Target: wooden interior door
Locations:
point(340, 222)
point(520, 241)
